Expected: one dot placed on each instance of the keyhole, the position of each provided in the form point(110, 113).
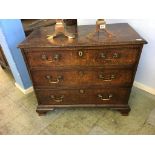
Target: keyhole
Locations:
point(81, 91)
point(80, 53)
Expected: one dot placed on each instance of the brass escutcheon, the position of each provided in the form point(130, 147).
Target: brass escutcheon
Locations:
point(80, 53)
point(81, 91)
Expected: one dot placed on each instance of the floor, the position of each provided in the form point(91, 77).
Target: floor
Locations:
point(18, 116)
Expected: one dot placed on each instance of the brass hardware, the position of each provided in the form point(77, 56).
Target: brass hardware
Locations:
point(103, 55)
point(54, 82)
point(81, 91)
point(105, 98)
point(115, 55)
point(100, 30)
point(60, 28)
point(44, 57)
point(56, 57)
point(80, 53)
point(57, 99)
point(111, 77)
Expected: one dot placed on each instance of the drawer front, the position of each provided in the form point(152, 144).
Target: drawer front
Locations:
point(83, 96)
point(82, 57)
point(77, 78)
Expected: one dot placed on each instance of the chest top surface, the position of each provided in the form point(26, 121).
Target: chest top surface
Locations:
point(122, 34)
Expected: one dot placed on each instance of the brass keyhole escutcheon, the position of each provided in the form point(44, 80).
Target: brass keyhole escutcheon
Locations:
point(80, 53)
point(81, 91)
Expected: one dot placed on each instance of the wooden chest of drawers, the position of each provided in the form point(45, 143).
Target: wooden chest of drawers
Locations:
point(83, 72)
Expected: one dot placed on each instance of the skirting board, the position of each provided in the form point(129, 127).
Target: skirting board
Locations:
point(144, 87)
point(25, 91)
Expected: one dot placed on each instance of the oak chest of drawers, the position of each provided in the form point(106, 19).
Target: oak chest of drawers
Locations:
point(83, 72)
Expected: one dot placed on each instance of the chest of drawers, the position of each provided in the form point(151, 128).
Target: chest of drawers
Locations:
point(83, 72)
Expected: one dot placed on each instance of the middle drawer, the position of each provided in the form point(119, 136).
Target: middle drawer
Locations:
point(80, 77)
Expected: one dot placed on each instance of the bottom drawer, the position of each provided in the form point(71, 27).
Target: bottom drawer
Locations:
point(83, 96)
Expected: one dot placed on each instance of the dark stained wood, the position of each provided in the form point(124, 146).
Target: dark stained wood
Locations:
point(42, 112)
point(122, 34)
point(83, 72)
point(81, 77)
point(88, 57)
point(83, 96)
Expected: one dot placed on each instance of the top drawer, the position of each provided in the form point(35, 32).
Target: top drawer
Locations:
point(60, 58)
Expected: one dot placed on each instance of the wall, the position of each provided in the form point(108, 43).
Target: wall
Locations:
point(11, 34)
point(146, 28)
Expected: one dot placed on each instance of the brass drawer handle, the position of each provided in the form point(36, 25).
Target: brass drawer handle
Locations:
point(56, 57)
point(115, 56)
point(54, 82)
point(104, 78)
point(105, 98)
point(57, 99)
point(103, 55)
point(44, 57)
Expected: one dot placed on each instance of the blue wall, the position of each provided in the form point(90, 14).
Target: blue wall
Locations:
point(11, 35)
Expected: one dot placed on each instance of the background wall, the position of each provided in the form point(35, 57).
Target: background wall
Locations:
point(11, 34)
point(146, 68)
